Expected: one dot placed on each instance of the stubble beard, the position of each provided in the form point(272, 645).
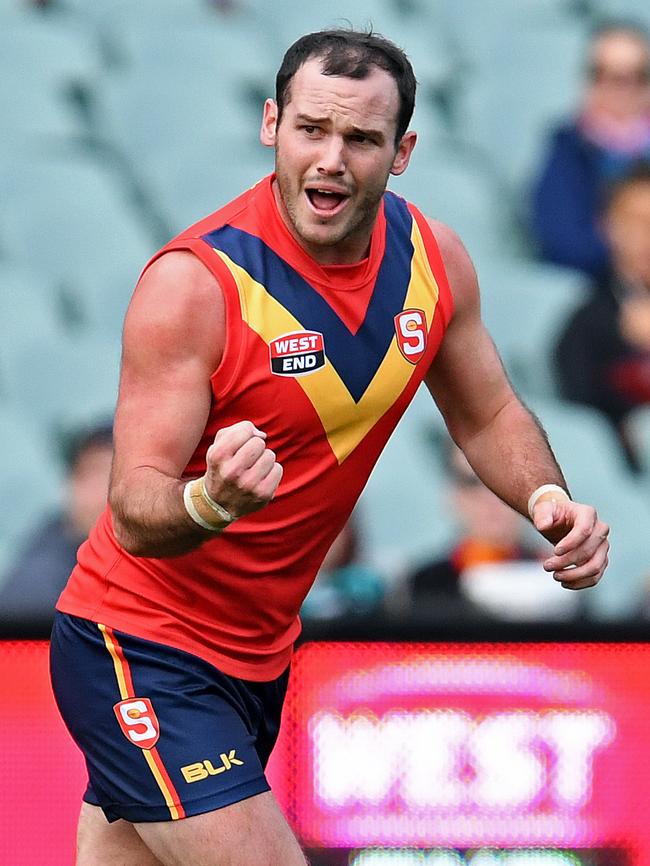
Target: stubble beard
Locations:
point(354, 226)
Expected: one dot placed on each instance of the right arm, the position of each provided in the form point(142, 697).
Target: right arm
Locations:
point(174, 334)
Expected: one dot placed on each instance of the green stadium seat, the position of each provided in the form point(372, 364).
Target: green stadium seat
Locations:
point(403, 516)
point(33, 115)
point(210, 51)
point(149, 112)
point(47, 49)
point(521, 82)
point(185, 187)
point(30, 478)
point(60, 382)
point(108, 12)
point(471, 22)
point(70, 217)
point(29, 305)
point(636, 10)
point(455, 187)
point(525, 306)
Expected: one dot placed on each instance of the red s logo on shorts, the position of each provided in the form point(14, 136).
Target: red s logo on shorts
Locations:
point(138, 722)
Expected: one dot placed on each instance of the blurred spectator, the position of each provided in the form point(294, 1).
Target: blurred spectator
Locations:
point(41, 570)
point(493, 568)
point(603, 356)
point(611, 131)
point(344, 586)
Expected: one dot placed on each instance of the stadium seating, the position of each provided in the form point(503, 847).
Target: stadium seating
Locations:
point(61, 382)
point(636, 10)
point(525, 306)
point(56, 53)
point(144, 115)
point(33, 116)
point(453, 185)
point(68, 216)
point(30, 305)
point(186, 186)
point(30, 479)
point(212, 49)
point(403, 516)
point(507, 115)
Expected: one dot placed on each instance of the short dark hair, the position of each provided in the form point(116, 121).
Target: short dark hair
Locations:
point(351, 54)
point(638, 173)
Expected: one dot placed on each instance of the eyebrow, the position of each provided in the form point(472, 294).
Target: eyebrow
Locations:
point(355, 130)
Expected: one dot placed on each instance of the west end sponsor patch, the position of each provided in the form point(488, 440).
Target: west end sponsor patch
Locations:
point(297, 353)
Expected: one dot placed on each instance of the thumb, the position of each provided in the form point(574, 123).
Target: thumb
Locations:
point(544, 515)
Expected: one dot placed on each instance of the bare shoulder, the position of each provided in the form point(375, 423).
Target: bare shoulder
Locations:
point(178, 302)
point(458, 265)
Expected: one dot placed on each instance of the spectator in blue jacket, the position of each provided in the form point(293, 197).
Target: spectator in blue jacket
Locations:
point(609, 134)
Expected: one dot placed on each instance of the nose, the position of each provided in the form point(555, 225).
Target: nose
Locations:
point(331, 159)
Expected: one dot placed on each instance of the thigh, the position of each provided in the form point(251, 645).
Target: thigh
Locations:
point(252, 831)
point(102, 844)
point(164, 734)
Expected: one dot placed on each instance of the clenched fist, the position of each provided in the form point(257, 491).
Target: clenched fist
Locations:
point(242, 474)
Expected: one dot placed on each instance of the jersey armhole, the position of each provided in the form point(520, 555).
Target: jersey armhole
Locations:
point(446, 298)
point(233, 351)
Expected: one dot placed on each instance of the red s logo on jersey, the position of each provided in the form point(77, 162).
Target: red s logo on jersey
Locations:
point(411, 331)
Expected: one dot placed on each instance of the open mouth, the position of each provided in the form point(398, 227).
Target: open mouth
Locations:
point(326, 202)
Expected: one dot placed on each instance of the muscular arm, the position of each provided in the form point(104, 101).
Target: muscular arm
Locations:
point(174, 335)
point(502, 440)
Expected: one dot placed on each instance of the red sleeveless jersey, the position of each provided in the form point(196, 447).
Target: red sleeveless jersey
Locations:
point(324, 359)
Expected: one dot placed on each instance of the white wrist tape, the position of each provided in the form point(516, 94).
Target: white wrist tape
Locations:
point(221, 512)
point(203, 510)
point(545, 488)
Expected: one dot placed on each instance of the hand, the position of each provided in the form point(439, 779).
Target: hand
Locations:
point(580, 554)
point(242, 474)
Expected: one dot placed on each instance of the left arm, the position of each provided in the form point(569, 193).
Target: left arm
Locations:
point(503, 442)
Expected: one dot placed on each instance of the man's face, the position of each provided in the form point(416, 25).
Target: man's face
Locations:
point(628, 230)
point(335, 149)
point(619, 75)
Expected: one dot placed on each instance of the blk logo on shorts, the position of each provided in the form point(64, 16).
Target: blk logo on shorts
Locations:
point(138, 722)
point(203, 769)
point(297, 353)
point(411, 331)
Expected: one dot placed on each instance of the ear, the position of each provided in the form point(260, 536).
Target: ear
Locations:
point(269, 123)
point(404, 151)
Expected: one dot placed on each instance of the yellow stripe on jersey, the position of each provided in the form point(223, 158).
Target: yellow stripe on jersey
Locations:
point(345, 422)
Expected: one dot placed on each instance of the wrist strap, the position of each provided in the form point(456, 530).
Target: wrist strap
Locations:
point(203, 509)
point(546, 488)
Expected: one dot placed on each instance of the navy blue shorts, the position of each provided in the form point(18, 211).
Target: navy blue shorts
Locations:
point(165, 734)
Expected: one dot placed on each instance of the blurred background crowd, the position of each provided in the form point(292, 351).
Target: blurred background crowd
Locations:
point(123, 122)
